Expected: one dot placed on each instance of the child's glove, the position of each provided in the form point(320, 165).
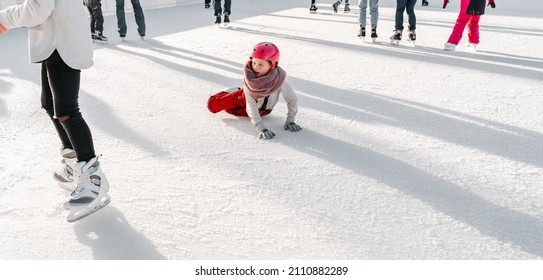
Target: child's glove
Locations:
point(266, 134)
point(491, 4)
point(292, 127)
point(445, 2)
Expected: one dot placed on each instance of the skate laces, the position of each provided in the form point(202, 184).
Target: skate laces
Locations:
point(397, 35)
point(84, 174)
point(362, 32)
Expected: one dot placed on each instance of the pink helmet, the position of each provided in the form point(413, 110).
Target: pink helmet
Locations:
point(267, 51)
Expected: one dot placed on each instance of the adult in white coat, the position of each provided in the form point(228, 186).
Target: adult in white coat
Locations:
point(59, 39)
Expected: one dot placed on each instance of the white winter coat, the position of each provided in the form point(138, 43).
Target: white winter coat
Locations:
point(53, 24)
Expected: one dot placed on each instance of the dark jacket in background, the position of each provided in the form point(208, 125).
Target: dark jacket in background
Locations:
point(476, 7)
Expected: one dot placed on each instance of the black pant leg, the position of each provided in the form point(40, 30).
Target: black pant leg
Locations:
point(64, 86)
point(47, 104)
point(97, 16)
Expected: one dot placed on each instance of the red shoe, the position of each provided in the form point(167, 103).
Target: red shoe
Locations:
point(211, 101)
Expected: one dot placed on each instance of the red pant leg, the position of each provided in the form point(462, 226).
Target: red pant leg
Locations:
point(473, 29)
point(461, 22)
point(226, 101)
point(233, 103)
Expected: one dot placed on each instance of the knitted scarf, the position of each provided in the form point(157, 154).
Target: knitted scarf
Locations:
point(260, 87)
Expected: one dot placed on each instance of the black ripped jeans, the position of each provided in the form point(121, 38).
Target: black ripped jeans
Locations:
point(59, 97)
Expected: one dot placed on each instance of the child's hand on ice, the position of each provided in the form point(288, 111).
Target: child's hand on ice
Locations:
point(266, 134)
point(292, 127)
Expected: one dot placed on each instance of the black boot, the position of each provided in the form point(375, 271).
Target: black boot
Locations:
point(374, 33)
point(226, 18)
point(412, 36)
point(335, 6)
point(362, 32)
point(396, 37)
point(98, 36)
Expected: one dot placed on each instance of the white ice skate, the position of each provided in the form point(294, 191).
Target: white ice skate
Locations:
point(449, 47)
point(65, 174)
point(91, 192)
point(472, 47)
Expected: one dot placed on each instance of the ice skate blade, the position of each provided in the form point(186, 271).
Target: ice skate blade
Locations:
point(69, 187)
point(65, 185)
point(471, 48)
point(395, 42)
point(80, 212)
